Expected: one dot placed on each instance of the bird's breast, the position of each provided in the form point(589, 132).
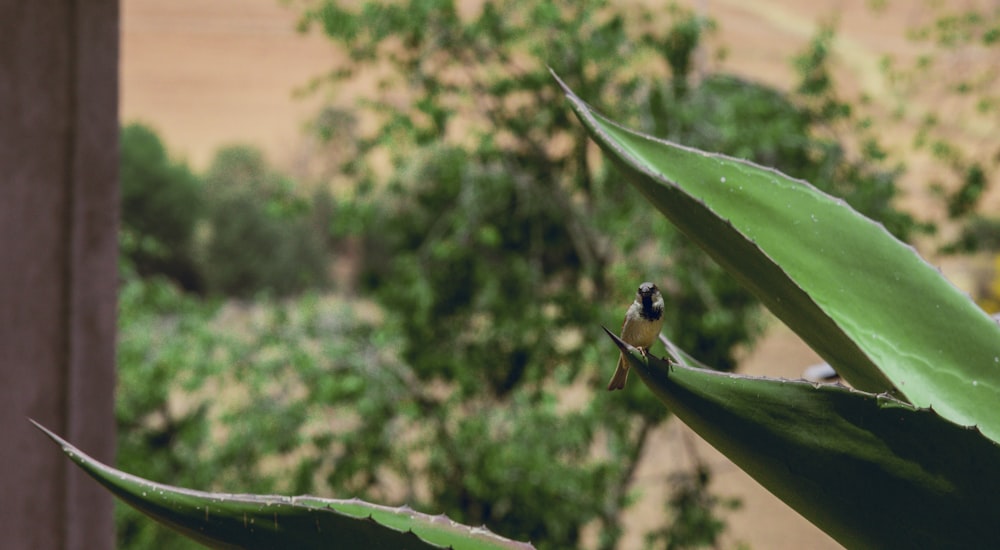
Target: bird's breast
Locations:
point(642, 333)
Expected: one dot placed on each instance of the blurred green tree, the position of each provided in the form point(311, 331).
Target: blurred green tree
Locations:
point(261, 234)
point(160, 205)
point(245, 229)
point(488, 249)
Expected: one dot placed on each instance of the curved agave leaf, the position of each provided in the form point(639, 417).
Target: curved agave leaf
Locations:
point(871, 471)
point(867, 303)
point(268, 521)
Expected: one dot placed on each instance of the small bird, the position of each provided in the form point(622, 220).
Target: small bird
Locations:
point(641, 328)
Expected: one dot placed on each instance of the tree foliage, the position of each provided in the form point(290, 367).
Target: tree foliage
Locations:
point(159, 207)
point(261, 234)
point(240, 229)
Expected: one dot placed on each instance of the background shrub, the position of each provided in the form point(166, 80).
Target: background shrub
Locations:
point(160, 206)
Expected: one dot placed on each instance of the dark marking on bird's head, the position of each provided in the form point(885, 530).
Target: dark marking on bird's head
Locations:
point(652, 301)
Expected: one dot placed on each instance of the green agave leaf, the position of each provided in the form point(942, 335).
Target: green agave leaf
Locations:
point(871, 471)
point(867, 303)
point(269, 521)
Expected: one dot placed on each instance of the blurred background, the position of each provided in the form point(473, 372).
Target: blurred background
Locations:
point(366, 250)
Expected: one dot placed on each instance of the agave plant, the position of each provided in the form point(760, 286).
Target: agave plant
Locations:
point(906, 457)
point(220, 520)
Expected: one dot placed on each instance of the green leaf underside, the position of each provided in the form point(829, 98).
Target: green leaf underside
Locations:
point(822, 269)
point(871, 471)
point(268, 521)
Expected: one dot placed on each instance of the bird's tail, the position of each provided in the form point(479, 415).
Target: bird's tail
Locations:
point(621, 374)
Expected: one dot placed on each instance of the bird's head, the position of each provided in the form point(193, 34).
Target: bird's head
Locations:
point(649, 296)
point(647, 291)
